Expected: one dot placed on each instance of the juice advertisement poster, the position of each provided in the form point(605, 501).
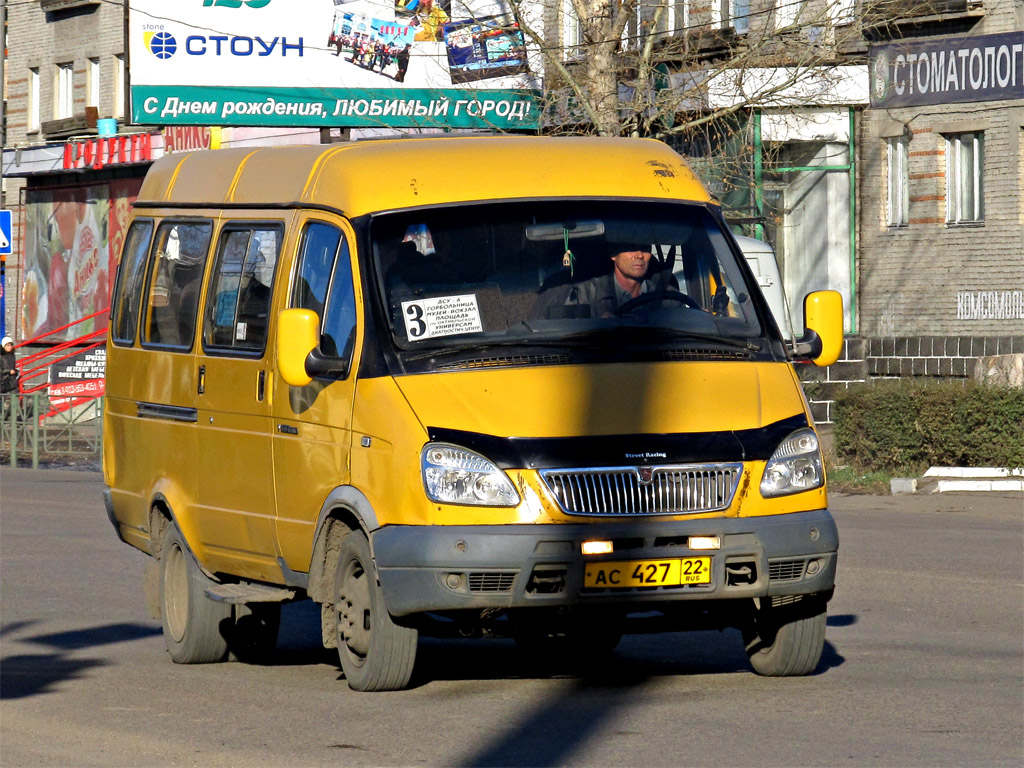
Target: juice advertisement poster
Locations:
point(73, 241)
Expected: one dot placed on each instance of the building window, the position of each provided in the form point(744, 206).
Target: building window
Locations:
point(898, 181)
point(677, 16)
point(964, 177)
point(572, 31)
point(64, 93)
point(92, 83)
point(118, 110)
point(841, 12)
point(33, 99)
point(731, 13)
point(786, 12)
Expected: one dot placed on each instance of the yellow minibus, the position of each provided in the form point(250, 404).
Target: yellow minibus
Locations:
point(461, 386)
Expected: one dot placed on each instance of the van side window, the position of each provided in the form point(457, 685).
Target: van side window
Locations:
point(131, 273)
point(238, 302)
point(324, 285)
point(179, 258)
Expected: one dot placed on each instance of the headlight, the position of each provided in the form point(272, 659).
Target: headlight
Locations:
point(794, 467)
point(454, 475)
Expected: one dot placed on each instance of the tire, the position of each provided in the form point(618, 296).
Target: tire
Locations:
point(253, 637)
point(786, 642)
point(195, 627)
point(376, 654)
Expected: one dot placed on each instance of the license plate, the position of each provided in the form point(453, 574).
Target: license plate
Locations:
point(628, 574)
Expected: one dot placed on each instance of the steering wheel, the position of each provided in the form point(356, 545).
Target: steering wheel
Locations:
point(653, 296)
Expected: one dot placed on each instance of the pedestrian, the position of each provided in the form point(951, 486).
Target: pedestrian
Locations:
point(8, 367)
point(403, 63)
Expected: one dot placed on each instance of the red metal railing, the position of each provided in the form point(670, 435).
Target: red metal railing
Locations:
point(34, 368)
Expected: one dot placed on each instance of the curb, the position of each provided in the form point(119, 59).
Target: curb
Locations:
point(960, 479)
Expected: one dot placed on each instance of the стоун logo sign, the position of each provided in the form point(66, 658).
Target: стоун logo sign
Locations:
point(161, 44)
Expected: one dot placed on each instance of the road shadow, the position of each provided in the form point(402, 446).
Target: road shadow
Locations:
point(555, 729)
point(637, 657)
point(15, 626)
point(24, 675)
point(95, 636)
point(842, 620)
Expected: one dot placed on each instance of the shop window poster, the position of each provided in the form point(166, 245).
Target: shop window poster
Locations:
point(73, 243)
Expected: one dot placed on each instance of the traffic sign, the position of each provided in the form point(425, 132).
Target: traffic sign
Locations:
point(6, 237)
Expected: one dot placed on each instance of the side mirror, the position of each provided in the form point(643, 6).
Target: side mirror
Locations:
point(822, 342)
point(298, 335)
point(298, 349)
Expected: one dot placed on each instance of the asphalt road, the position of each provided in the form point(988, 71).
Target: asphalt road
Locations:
point(923, 666)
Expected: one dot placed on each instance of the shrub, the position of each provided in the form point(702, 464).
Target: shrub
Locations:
point(905, 426)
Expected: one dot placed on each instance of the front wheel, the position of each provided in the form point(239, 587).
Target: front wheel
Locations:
point(195, 627)
point(376, 654)
point(786, 641)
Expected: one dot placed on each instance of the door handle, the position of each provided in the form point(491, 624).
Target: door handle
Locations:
point(261, 385)
point(201, 388)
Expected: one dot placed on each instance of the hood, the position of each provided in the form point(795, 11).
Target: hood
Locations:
point(616, 399)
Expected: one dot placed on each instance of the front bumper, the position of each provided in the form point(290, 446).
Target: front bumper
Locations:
point(442, 568)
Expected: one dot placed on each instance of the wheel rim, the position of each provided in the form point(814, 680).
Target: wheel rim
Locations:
point(176, 592)
point(354, 612)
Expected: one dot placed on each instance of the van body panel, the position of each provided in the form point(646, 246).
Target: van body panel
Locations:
point(149, 437)
point(315, 175)
point(235, 481)
point(610, 399)
point(387, 439)
point(312, 425)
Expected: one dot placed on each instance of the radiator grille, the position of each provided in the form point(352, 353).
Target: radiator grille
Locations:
point(668, 490)
point(786, 570)
point(492, 582)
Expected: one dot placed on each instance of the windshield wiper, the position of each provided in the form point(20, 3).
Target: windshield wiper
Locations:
point(593, 338)
point(657, 334)
point(455, 349)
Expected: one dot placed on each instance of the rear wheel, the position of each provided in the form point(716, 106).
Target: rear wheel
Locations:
point(376, 654)
point(195, 627)
point(786, 641)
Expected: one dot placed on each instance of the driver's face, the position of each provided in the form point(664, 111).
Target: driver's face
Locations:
point(632, 264)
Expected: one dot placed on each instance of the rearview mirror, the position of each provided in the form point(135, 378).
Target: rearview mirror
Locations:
point(558, 230)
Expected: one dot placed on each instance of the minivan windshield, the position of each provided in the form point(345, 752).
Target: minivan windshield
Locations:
point(583, 273)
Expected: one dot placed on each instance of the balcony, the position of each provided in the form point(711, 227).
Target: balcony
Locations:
point(83, 123)
point(922, 13)
point(49, 6)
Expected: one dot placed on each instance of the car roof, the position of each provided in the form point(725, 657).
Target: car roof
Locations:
point(370, 176)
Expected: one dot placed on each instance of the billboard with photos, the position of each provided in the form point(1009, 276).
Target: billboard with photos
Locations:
point(401, 63)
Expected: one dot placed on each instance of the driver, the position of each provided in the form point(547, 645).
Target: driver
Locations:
point(604, 294)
